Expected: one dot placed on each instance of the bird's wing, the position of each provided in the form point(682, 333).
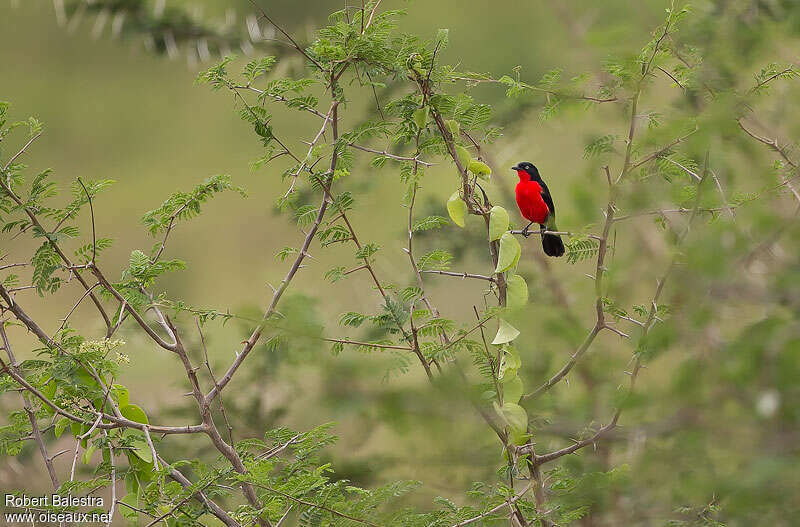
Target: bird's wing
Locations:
point(548, 199)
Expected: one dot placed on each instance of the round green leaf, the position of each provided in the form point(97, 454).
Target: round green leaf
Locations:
point(519, 438)
point(120, 394)
point(131, 483)
point(515, 417)
point(512, 389)
point(421, 117)
point(509, 363)
point(480, 169)
point(49, 390)
point(464, 157)
point(498, 222)
point(78, 429)
point(453, 127)
point(130, 513)
point(516, 291)
point(509, 253)
point(60, 426)
point(505, 333)
point(139, 444)
point(457, 209)
point(88, 453)
point(134, 413)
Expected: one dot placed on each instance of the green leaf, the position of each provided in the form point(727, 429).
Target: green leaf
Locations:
point(120, 394)
point(49, 390)
point(131, 483)
point(78, 429)
point(421, 117)
point(509, 252)
point(581, 249)
point(498, 222)
point(139, 444)
point(479, 168)
point(428, 223)
point(516, 291)
point(512, 389)
point(505, 333)
point(509, 363)
point(514, 416)
point(453, 127)
point(457, 209)
point(87, 454)
point(520, 438)
point(134, 413)
point(442, 38)
point(463, 155)
point(127, 512)
point(258, 67)
point(60, 426)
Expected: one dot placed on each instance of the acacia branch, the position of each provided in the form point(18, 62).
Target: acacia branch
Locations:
point(610, 211)
point(367, 344)
point(384, 153)
point(256, 335)
point(215, 509)
point(773, 144)
point(21, 151)
point(637, 361)
point(6, 187)
point(498, 508)
point(287, 35)
point(565, 95)
point(459, 275)
point(37, 435)
point(316, 506)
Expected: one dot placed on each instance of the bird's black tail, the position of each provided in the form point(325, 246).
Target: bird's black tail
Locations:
point(552, 245)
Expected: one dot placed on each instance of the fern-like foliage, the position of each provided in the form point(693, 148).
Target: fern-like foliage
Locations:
point(579, 249)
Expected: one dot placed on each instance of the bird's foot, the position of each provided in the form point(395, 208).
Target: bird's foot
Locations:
point(525, 232)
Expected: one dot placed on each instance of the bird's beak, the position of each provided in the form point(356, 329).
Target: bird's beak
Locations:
point(515, 167)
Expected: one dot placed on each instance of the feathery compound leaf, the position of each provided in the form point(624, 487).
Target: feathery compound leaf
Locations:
point(183, 206)
point(352, 319)
point(599, 146)
point(367, 251)
point(476, 116)
point(335, 274)
point(431, 222)
point(437, 260)
point(581, 249)
point(258, 67)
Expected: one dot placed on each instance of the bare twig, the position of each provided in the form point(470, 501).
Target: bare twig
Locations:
point(367, 344)
point(21, 151)
point(390, 155)
point(287, 35)
point(459, 275)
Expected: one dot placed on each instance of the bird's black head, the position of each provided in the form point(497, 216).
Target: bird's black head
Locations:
point(527, 168)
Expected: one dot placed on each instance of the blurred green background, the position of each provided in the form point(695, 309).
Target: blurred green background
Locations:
point(705, 428)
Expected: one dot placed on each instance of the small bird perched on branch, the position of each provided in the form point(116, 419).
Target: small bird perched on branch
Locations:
point(536, 205)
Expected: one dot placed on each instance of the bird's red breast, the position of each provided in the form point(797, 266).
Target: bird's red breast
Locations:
point(529, 200)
